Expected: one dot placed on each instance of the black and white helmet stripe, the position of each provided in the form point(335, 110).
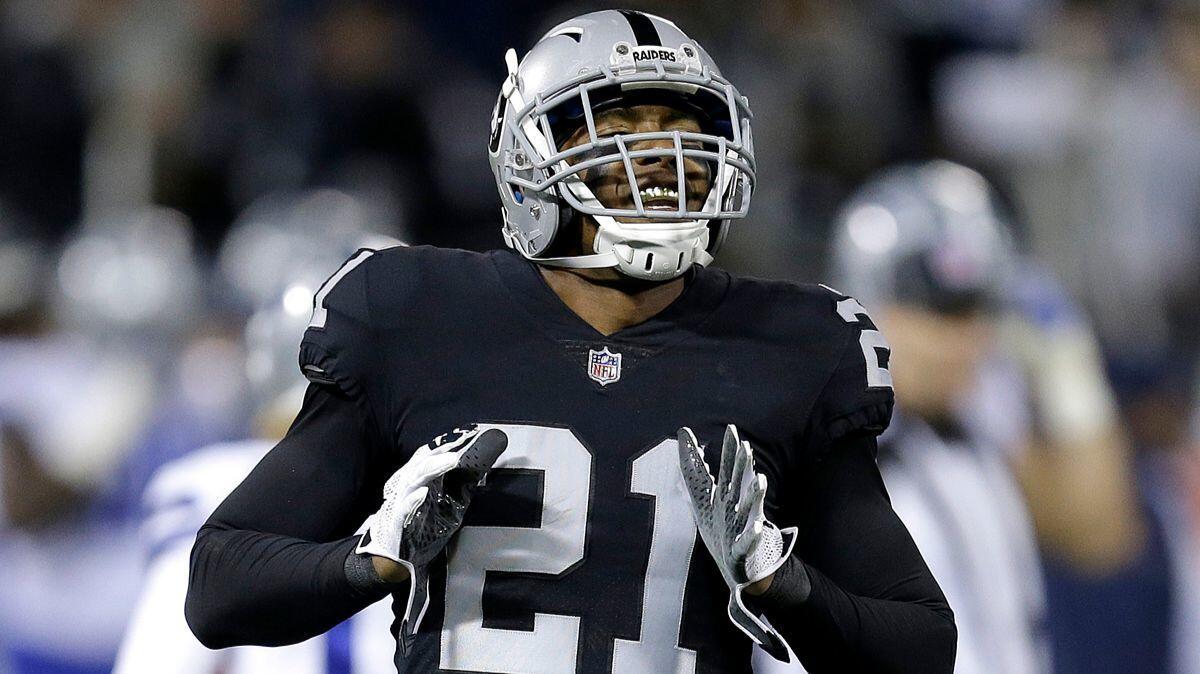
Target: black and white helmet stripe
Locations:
point(644, 32)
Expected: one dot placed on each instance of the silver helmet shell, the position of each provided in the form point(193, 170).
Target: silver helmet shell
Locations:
point(931, 235)
point(577, 66)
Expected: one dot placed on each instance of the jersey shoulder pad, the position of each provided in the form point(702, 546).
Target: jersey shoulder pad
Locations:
point(339, 334)
point(838, 358)
point(376, 298)
point(340, 337)
point(857, 398)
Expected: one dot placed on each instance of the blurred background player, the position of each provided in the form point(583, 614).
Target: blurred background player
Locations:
point(925, 246)
point(276, 258)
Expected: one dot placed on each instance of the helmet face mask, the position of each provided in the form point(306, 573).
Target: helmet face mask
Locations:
point(661, 186)
point(580, 69)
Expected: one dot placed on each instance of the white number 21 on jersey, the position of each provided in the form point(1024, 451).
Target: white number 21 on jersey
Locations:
point(556, 546)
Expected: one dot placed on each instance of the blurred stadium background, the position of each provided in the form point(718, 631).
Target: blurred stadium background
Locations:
point(176, 178)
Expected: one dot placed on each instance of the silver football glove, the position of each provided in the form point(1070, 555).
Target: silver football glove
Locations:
point(423, 505)
point(729, 514)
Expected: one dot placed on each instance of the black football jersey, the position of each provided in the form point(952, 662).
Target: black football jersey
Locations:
point(580, 553)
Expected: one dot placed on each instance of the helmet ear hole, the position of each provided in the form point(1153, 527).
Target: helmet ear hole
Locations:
point(566, 215)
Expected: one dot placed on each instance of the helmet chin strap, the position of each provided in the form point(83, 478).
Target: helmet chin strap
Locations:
point(633, 256)
point(597, 261)
point(666, 249)
point(604, 260)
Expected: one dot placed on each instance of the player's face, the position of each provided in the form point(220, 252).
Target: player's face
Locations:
point(937, 356)
point(657, 177)
point(610, 182)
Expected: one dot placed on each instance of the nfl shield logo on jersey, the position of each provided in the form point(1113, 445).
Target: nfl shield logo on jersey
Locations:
point(604, 366)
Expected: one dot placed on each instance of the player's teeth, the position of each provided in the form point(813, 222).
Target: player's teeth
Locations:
point(656, 192)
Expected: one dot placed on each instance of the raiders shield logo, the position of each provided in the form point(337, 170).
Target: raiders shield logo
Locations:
point(604, 366)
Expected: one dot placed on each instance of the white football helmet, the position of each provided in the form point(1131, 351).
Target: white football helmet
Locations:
point(575, 70)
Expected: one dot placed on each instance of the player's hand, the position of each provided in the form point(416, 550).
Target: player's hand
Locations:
point(389, 571)
point(728, 511)
point(423, 506)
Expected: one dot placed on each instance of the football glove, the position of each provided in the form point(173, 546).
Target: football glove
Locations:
point(729, 514)
point(423, 505)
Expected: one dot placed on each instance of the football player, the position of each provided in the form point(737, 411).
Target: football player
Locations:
point(654, 465)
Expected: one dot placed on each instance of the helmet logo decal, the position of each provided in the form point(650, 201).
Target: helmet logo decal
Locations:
point(604, 366)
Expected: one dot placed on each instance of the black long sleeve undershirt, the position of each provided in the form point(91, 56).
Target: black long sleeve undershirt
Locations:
point(856, 595)
point(268, 567)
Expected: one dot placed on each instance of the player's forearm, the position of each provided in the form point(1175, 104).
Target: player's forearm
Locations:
point(253, 588)
point(833, 630)
point(857, 595)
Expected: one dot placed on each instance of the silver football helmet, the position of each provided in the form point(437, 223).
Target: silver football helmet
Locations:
point(931, 235)
point(573, 72)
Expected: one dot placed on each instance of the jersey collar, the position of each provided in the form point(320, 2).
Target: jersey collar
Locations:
point(705, 289)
